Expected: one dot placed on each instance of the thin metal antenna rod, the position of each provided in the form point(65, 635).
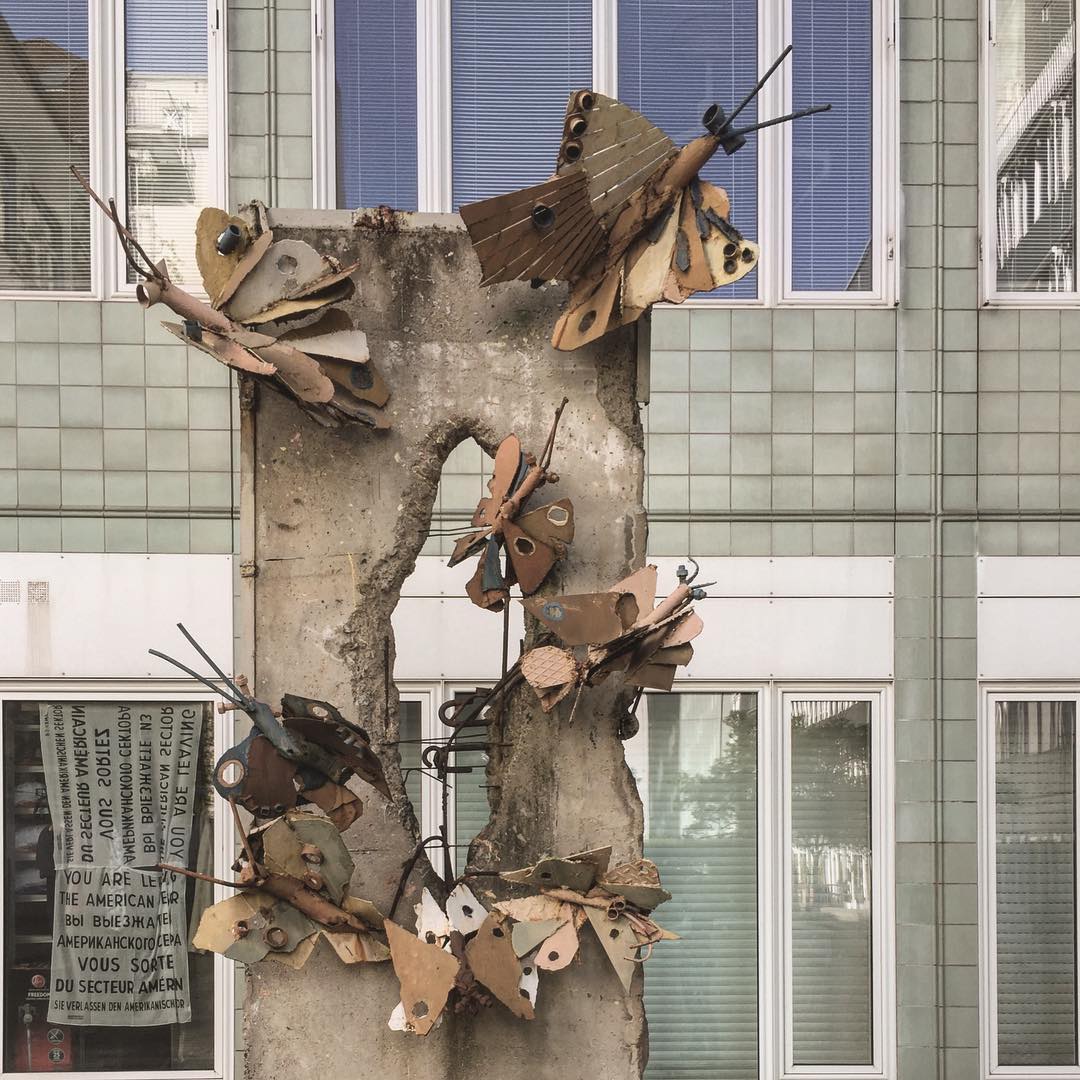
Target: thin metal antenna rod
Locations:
point(781, 119)
point(221, 674)
point(760, 83)
point(195, 675)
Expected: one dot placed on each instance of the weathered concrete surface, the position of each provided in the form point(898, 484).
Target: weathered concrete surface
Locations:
point(339, 519)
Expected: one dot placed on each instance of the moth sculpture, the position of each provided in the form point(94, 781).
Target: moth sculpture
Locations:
point(270, 314)
point(625, 219)
point(623, 629)
point(532, 542)
point(304, 752)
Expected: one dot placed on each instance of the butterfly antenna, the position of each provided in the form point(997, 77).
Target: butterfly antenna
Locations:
point(797, 115)
point(760, 84)
point(195, 675)
point(202, 652)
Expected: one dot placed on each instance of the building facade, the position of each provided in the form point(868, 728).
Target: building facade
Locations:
point(863, 795)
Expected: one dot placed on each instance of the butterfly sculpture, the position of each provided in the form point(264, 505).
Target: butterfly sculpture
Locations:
point(623, 629)
point(625, 219)
point(532, 542)
point(270, 313)
point(304, 752)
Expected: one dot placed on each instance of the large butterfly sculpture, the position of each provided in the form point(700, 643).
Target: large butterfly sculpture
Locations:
point(623, 629)
point(270, 315)
point(626, 219)
point(533, 542)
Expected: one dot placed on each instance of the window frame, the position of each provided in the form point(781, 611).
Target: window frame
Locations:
point(774, 863)
point(990, 693)
point(434, 144)
point(989, 294)
point(185, 690)
point(108, 145)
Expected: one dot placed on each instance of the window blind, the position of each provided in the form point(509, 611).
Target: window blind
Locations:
point(513, 66)
point(1034, 145)
point(167, 128)
point(44, 130)
point(375, 75)
point(831, 970)
point(1035, 825)
point(696, 765)
point(832, 153)
point(677, 57)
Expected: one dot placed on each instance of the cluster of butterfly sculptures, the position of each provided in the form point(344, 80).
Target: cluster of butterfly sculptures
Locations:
point(627, 221)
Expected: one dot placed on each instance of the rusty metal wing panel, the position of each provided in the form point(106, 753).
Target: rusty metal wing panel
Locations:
point(545, 231)
point(427, 976)
point(530, 558)
point(616, 147)
point(641, 584)
point(586, 618)
point(553, 523)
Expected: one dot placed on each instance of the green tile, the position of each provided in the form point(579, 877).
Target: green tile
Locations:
point(81, 489)
point(38, 448)
point(80, 320)
point(1040, 329)
point(709, 454)
point(999, 328)
point(37, 363)
point(834, 412)
point(834, 371)
point(37, 320)
point(709, 538)
point(669, 493)
point(7, 362)
point(167, 489)
point(671, 329)
point(709, 413)
point(793, 413)
point(834, 453)
point(792, 492)
point(123, 365)
point(80, 365)
point(125, 449)
point(751, 370)
point(749, 492)
point(80, 406)
point(834, 329)
point(167, 407)
point(958, 455)
point(39, 534)
point(124, 407)
point(834, 493)
point(667, 413)
point(960, 374)
point(874, 453)
point(80, 448)
point(125, 534)
point(122, 322)
point(669, 369)
point(792, 454)
point(153, 332)
point(999, 412)
point(1039, 452)
point(875, 329)
point(39, 488)
point(166, 365)
point(668, 453)
point(666, 538)
point(7, 320)
point(749, 412)
point(204, 370)
point(792, 538)
point(793, 328)
point(751, 454)
point(38, 406)
point(751, 328)
point(751, 538)
point(709, 493)
point(999, 493)
point(1039, 411)
point(167, 450)
point(168, 535)
point(9, 490)
point(874, 493)
point(125, 490)
point(793, 371)
point(709, 370)
point(875, 371)
point(1040, 370)
point(999, 371)
point(82, 533)
point(9, 533)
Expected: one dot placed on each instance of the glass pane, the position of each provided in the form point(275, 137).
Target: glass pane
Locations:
point(1035, 829)
point(831, 968)
point(167, 127)
point(44, 130)
point(695, 762)
point(375, 76)
point(832, 153)
point(1034, 144)
point(509, 101)
point(678, 57)
point(92, 943)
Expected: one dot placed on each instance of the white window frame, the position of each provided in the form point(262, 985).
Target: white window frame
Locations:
point(108, 149)
point(434, 144)
point(990, 294)
point(774, 885)
point(990, 694)
point(224, 980)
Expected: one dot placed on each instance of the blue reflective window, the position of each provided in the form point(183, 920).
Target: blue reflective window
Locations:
point(375, 74)
point(677, 57)
point(514, 64)
point(832, 153)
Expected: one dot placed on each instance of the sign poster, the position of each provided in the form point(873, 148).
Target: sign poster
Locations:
point(121, 783)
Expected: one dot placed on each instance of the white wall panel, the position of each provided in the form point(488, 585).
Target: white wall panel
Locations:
point(795, 618)
point(94, 616)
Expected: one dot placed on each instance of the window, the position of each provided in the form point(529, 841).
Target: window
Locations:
point(143, 120)
point(493, 76)
point(1029, 868)
point(1029, 189)
point(97, 972)
point(774, 840)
